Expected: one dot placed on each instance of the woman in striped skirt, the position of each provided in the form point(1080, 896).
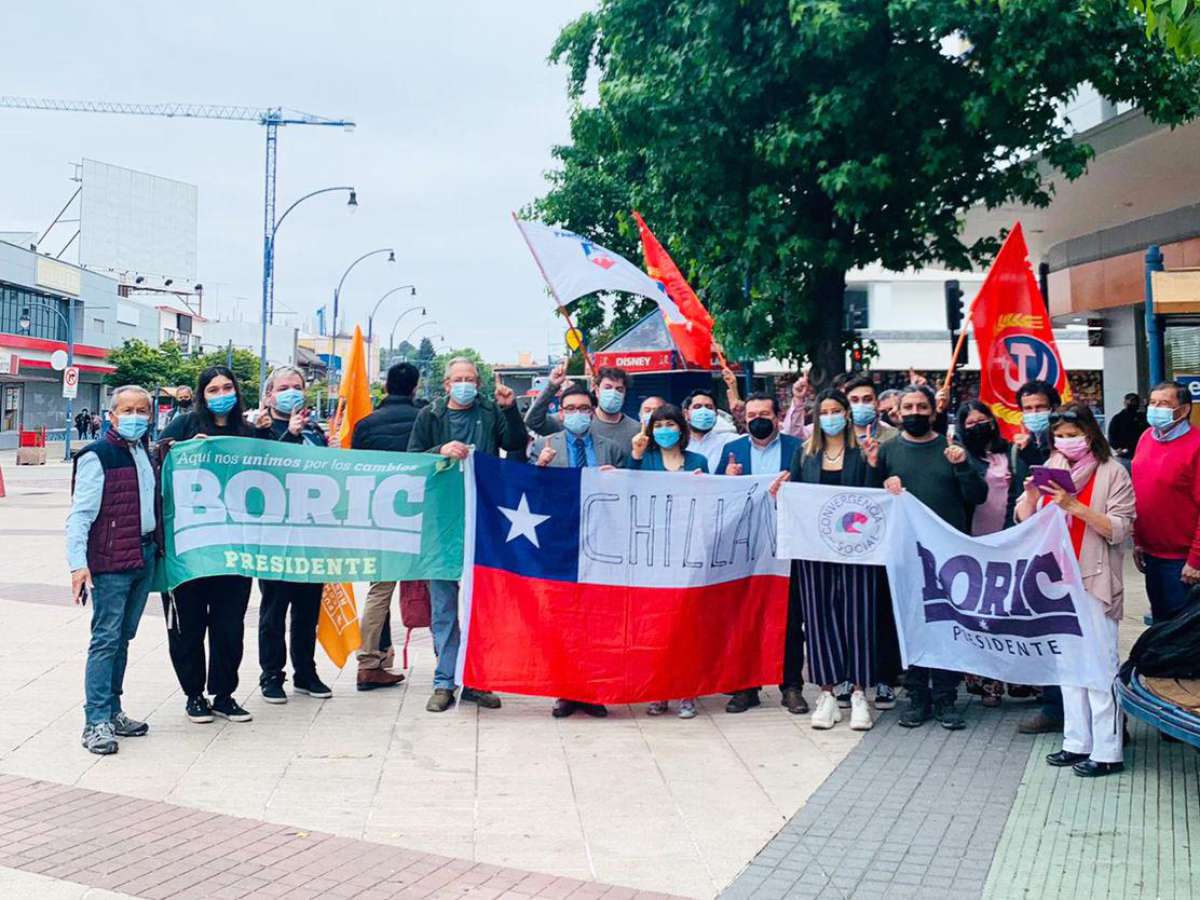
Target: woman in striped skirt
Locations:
point(838, 599)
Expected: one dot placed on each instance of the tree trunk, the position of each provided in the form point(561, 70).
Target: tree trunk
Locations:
point(828, 357)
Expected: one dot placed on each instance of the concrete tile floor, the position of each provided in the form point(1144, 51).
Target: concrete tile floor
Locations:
point(656, 804)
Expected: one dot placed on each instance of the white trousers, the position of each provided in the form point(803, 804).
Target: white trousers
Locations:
point(1093, 722)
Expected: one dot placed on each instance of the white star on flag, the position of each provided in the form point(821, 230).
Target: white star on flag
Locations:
point(524, 522)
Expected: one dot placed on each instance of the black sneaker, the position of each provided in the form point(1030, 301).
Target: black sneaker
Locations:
point(742, 701)
point(314, 687)
point(948, 717)
point(917, 714)
point(198, 709)
point(123, 726)
point(485, 699)
point(885, 697)
point(273, 692)
point(841, 693)
point(227, 708)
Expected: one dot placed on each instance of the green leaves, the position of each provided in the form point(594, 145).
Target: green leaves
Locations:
point(166, 366)
point(1176, 22)
point(774, 145)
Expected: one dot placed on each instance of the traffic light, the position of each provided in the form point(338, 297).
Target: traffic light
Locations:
point(954, 316)
point(857, 354)
point(954, 306)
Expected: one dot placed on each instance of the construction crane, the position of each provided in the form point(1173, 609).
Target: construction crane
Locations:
point(271, 119)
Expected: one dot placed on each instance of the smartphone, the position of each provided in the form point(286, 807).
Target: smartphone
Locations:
point(83, 595)
point(1044, 477)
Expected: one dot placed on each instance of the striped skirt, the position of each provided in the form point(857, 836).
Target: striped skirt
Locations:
point(839, 621)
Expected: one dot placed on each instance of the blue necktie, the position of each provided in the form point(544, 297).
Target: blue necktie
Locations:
point(579, 452)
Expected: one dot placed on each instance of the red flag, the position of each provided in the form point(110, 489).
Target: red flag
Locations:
point(1013, 334)
point(694, 336)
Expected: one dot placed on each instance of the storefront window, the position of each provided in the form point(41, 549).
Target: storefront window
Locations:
point(10, 408)
point(43, 323)
point(1183, 350)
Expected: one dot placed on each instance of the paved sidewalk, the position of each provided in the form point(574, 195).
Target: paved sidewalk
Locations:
point(158, 851)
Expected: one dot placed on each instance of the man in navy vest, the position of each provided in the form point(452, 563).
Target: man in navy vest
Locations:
point(764, 451)
point(111, 552)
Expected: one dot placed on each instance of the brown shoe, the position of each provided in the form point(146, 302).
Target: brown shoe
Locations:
point(1040, 723)
point(442, 700)
point(793, 700)
point(370, 679)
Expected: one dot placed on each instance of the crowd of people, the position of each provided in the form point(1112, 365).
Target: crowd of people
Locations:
point(840, 631)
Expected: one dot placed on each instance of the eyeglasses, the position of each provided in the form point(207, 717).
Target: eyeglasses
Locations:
point(1069, 416)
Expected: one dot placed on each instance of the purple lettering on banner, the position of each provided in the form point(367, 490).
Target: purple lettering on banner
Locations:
point(1039, 601)
point(1017, 604)
point(996, 583)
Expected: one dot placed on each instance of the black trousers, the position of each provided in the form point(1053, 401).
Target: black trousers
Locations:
point(305, 602)
point(215, 607)
point(793, 644)
point(887, 641)
point(936, 685)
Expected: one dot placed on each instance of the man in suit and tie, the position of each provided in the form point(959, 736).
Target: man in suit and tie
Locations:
point(576, 446)
point(764, 451)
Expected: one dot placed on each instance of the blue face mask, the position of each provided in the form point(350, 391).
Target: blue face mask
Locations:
point(611, 400)
point(862, 413)
point(1160, 418)
point(577, 422)
point(833, 423)
point(289, 400)
point(666, 438)
point(1036, 422)
point(221, 404)
point(464, 392)
point(702, 418)
point(132, 426)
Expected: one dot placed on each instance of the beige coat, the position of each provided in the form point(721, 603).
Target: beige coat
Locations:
point(1101, 560)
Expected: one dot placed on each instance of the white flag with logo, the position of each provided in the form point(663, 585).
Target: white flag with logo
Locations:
point(574, 266)
point(1009, 606)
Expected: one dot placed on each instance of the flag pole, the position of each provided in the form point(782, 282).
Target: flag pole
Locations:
point(587, 357)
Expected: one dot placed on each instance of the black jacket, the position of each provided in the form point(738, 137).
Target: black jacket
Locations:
point(388, 428)
point(855, 470)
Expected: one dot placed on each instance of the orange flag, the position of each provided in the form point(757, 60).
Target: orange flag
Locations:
point(354, 393)
point(695, 336)
point(337, 626)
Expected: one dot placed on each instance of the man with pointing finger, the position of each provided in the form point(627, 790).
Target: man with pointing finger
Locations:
point(452, 426)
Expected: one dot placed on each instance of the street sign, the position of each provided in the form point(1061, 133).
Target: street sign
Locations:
point(58, 360)
point(574, 338)
point(70, 382)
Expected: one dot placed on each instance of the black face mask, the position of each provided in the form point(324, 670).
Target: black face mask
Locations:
point(185, 404)
point(977, 437)
point(917, 425)
point(760, 428)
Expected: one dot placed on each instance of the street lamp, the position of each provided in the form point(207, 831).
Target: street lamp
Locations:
point(392, 338)
point(419, 326)
point(337, 293)
point(412, 292)
point(26, 321)
point(268, 288)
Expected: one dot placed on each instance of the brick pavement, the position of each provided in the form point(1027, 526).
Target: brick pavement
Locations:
point(153, 850)
point(905, 815)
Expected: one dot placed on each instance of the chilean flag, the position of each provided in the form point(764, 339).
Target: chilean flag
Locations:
point(618, 586)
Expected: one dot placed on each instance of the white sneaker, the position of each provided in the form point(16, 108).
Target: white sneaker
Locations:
point(860, 712)
point(827, 714)
point(687, 709)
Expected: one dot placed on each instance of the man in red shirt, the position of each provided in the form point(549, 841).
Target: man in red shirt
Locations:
point(1166, 480)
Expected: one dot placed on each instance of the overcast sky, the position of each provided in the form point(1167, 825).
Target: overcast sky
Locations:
point(456, 109)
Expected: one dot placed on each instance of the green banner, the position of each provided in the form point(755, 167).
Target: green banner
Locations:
point(292, 512)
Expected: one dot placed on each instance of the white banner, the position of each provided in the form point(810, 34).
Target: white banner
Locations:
point(1009, 605)
point(574, 266)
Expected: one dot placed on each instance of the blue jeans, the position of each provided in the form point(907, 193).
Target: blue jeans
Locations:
point(118, 599)
point(1168, 595)
point(443, 622)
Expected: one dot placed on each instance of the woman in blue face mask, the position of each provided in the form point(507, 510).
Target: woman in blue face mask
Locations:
point(661, 446)
point(212, 607)
point(836, 601)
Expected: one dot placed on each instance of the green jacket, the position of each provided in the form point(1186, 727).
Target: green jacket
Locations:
point(499, 429)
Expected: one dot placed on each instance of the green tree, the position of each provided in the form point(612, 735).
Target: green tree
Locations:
point(1176, 22)
point(152, 367)
point(245, 368)
point(773, 146)
point(437, 371)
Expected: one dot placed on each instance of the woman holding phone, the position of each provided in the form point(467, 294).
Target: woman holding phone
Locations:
point(1100, 505)
point(214, 606)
